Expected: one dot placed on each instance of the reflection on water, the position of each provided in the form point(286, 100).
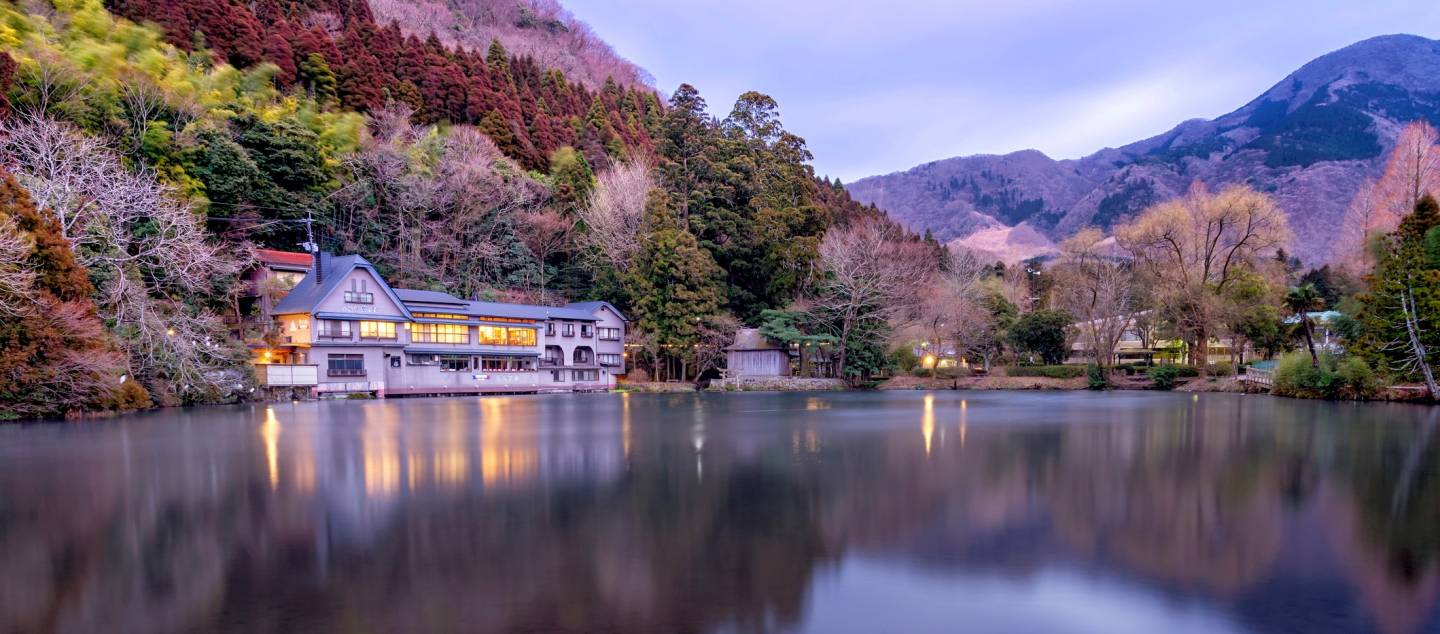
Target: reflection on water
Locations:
point(748, 512)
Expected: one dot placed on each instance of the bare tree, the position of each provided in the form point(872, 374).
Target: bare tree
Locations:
point(716, 332)
point(614, 214)
point(873, 273)
point(143, 102)
point(145, 244)
point(1095, 290)
point(1196, 246)
point(1412, 170)
point(952, 312)
point(435, 208)
point(545, 232)
point(50, 81)
point(64, 171)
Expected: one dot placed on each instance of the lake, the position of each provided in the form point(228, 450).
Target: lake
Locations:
point(831, 513)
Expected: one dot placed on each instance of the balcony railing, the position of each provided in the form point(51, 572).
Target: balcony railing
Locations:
point(549, 363)
point(321, 334)
point(274, 375)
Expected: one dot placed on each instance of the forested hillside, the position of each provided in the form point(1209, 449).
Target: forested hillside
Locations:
point(539, 29)
point(165, 153)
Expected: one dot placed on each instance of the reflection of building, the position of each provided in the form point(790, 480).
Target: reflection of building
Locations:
point(343, 329)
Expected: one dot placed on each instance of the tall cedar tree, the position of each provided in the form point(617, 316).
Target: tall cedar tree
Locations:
point(361, 65)
point(674, 282)
point(55, 356)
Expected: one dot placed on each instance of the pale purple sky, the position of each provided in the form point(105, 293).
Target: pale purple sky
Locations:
point(883, 86)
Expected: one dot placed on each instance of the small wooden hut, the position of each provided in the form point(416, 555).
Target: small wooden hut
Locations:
point(754, 354)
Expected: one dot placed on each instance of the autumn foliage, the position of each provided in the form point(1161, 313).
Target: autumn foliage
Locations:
point(336, 49)
point(55, 355)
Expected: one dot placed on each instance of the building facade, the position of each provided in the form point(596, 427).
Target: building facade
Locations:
point(344, 330)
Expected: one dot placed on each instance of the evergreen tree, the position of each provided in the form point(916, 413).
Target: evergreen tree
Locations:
point(315, 75)
point(1401, 316)
point(674, 282)
point(572, 179)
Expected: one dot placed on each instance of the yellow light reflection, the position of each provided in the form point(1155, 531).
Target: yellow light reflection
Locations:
point(270, 433)
point(450, 466)
point(506, 458)
point(625, 425)
point(927, 423)
point(813, 404)
point(964, 419)
point(381, 456)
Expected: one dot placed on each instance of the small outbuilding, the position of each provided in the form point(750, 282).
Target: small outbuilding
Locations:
point(754, 354)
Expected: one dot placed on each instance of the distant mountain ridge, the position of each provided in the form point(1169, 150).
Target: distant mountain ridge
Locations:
point(1309, 141)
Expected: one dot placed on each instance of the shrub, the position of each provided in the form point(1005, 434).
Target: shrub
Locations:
point(1095, 376)
point(1222, 369)
point(905, 359)
point(921, 372)
point(637, 375)
point(1337, 377)
point(1164, 376)
point(1047, 371)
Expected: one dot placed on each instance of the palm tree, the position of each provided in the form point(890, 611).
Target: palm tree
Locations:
point(1300, 301)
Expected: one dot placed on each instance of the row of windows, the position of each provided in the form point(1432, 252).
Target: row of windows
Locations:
point(353, 365)
point(465, 363)
point(430, 333)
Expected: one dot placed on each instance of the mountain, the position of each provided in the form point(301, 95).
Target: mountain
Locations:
point(540, 29)
point(1309, 141)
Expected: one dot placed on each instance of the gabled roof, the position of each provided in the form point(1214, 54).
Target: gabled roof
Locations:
point(591, 307)
point(307, 295)
point(750, 339)
point(410, 295)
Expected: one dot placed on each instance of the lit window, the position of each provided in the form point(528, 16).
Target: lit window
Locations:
point(491, 335)
point(443, 316)
point(377, 330)
point(521, 336)
point(440, 333)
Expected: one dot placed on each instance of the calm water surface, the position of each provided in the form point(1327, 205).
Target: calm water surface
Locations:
point(864, 512)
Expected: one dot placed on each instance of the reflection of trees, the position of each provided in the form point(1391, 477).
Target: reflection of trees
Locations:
point(508, 515)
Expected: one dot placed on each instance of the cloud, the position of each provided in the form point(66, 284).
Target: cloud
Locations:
point(879, 87)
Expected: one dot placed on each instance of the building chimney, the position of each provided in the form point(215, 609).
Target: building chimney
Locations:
point(321, 259)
